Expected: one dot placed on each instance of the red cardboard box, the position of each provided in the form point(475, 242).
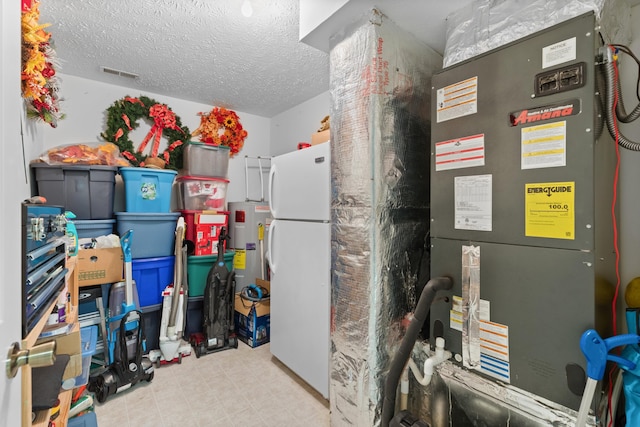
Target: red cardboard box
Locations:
point(203, 228)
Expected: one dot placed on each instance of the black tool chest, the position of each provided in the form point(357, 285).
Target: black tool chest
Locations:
point(43, 261)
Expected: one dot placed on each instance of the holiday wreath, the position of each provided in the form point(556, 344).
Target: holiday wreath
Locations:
point(123, 116)
point(221, 127)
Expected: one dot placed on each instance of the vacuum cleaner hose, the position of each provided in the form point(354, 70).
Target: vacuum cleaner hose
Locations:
point(406, 346)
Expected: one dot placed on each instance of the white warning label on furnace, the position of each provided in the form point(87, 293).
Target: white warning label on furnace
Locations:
point(558, 53)
point(494, 350)
point(455, 314)
point(473, 198)
point(544, 146)
point(457, 100)
point(460, 153)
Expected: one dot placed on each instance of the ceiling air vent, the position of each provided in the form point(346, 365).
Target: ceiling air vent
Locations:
point(119, 73)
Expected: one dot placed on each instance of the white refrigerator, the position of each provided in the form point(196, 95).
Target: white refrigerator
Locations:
point(299, 253)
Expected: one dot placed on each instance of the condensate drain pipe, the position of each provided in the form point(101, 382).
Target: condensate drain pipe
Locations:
point(406, 346)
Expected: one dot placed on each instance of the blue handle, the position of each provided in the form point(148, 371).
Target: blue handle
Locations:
point(125, 242)
point(596, 351)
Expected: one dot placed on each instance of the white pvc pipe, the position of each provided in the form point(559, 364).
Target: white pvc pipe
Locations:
point(585, 404)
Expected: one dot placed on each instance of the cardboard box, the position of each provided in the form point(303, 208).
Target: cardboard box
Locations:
point(320, 137)
point(253, 319)
point(99, 266)
point(207, 228)
point(68, 343)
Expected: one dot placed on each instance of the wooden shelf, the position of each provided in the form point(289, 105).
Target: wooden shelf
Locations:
point(42, 417)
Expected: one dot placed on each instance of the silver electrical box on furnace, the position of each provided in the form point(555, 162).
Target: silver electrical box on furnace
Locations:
point(521, 190)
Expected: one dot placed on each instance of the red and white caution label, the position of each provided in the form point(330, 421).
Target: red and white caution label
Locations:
point(460, 153)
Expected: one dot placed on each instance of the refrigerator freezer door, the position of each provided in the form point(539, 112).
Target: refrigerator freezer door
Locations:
point(300, 298)
point(300, 184)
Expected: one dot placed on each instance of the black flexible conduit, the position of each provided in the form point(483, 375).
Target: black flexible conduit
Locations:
point(406, 346)
point(610, 98)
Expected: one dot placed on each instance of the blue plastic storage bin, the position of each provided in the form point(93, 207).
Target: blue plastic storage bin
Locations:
point(153, 233)
point(88, 340)
point(152, 275)
point(94, 228)
point(147, 190)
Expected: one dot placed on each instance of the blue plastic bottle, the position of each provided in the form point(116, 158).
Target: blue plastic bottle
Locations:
point(72, 234)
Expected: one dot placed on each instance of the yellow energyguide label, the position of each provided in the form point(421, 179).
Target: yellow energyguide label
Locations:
point(550, 210)
point(240, 259)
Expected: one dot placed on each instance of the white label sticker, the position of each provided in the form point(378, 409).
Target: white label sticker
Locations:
point(494, 350)
point(457, 100)
point(544, 146)
point(473, 198)
point(460, 153)
point(455, 320)
point(558, 53)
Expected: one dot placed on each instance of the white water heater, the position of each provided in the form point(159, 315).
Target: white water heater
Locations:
point(248, 228)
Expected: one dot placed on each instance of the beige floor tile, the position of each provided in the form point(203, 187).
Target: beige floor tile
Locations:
point(235, 387)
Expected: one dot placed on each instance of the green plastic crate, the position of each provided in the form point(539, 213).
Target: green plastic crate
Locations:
point(198, 268)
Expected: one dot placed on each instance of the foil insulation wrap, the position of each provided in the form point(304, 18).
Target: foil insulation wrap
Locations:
point(484, 25)
point(380, 86)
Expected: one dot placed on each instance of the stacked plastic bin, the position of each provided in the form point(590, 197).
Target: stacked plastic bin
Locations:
point(202, 199)
point(88, 192)
point(148, 213)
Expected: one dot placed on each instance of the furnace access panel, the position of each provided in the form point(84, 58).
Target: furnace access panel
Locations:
point(521, 190)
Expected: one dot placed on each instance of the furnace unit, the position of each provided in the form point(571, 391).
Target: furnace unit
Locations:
point(521, 192)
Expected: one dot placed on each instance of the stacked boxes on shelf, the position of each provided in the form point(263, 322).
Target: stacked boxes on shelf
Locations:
point(148, 204)
point(202, 198)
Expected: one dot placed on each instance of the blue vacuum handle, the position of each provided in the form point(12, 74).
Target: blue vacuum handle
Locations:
point(596, 351)
point(125, 242)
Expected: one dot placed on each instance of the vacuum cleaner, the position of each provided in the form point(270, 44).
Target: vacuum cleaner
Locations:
point(172, 346)
point(218, 327)
point(130, 367)
point(126, 338)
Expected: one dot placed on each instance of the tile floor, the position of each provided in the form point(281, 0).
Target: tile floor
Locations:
point(235, 387)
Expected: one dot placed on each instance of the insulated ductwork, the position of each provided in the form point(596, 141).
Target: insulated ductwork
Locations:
point(380, 132)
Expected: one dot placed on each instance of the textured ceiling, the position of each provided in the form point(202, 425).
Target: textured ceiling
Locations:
point(200, 50)
point(206, 51)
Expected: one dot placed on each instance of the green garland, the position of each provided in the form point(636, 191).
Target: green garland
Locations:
point(123, 115)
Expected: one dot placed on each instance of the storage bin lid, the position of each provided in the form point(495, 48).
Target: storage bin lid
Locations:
point(160, 171)
point(201, 144)
point(206, 211)
point(88, 339)
point(200, 178)
point(74, 166)
point(208, 259)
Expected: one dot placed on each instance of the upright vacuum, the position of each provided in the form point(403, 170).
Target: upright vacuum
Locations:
point(126, 341)
point(218, 328)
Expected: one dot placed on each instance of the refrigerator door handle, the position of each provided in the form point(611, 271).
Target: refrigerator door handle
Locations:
point(272, 264)
point(272, 173)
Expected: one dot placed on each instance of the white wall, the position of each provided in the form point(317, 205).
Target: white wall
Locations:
point(85, 103)
point(13, 187)
point(297, 124)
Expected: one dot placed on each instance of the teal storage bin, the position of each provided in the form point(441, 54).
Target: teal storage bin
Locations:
point(152, 275)
point(88, 229)
point(198, 268)
point(147, 190)
point(153, 233)
point(88, 340)
point(88, 419)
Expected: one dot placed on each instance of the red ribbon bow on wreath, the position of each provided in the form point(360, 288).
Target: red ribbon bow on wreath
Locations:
point(163, 118)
